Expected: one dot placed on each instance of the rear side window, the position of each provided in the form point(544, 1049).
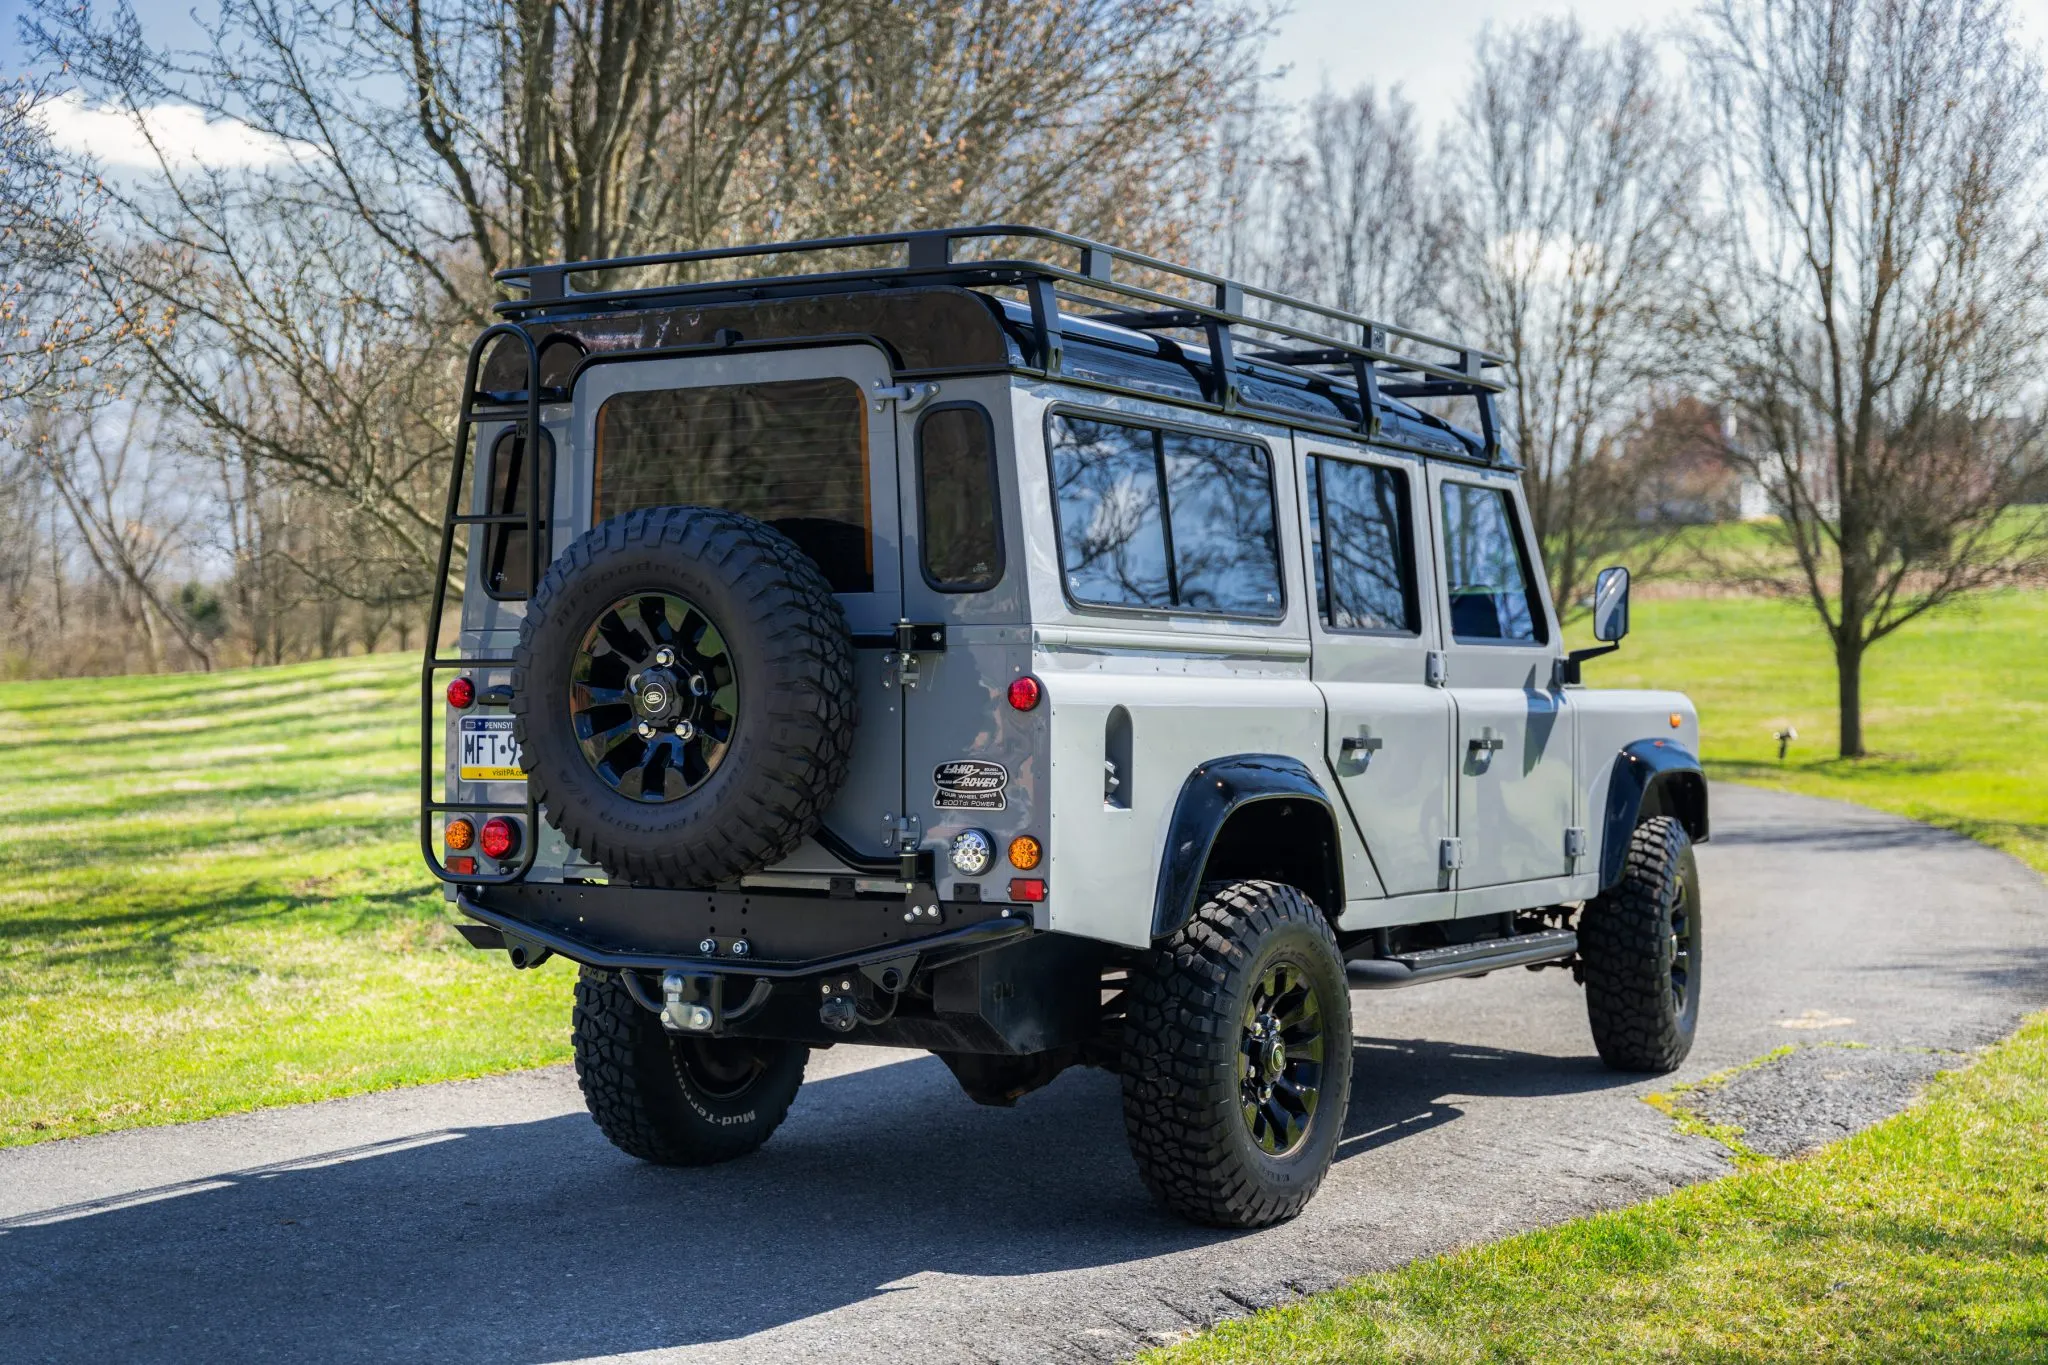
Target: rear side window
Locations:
point(1164, 519)
point(505, 564)
point(956, 475)
point(1364, 551)
point(1493, 593)
point(793, 453)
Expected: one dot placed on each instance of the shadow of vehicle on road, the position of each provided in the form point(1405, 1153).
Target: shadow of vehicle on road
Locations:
point(538, 1242)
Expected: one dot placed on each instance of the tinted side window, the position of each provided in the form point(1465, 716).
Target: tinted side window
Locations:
point(1152, 518)
point(1364, 555)
point(793, 453)
point(956, 469)
point(1219, 513)
point(505, 566)
point(1493, 596)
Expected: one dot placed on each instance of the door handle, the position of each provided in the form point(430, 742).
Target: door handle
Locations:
point(1364, 742)
point(1487, 742)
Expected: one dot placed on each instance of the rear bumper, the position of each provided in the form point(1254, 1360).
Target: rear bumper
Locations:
point(776, 936)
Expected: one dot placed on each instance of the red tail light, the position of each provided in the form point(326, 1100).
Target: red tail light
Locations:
point(500, 838)
point(462, 694)
point(1025, 692)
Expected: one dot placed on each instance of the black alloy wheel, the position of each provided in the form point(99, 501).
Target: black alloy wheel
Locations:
point(1640, 950)
point(653, 697)
point(1280, 1059)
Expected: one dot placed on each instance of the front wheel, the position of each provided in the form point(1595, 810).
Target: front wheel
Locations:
point(1237, 1067)
point(1639, 946)
point(671, 1100)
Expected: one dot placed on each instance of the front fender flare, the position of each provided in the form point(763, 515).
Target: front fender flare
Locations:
point(1213, 793)
point(1651, 777)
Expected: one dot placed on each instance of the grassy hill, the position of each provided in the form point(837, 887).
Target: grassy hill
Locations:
point(211, 898)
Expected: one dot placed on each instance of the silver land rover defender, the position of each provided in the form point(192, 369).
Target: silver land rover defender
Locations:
point(1002, 644)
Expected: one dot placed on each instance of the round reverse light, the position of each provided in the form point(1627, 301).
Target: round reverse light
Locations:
point(462, 694)
point(460, 834)
point(1025, 693)
point(1026, 853)
point(500, 837)
point(973, 851)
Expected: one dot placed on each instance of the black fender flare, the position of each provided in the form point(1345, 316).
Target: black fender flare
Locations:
point(1213, 793)
point(1651, 777)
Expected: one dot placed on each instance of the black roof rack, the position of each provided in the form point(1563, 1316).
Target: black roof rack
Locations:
point(1123, 288)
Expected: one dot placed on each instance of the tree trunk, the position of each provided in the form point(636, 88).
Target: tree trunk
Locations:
point(1849, 691)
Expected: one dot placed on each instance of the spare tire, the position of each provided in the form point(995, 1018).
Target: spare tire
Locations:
point(683, 696)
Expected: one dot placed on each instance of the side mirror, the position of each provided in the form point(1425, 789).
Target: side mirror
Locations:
point(1610, 605)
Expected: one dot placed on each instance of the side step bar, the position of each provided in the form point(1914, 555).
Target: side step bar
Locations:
point(1466, 959)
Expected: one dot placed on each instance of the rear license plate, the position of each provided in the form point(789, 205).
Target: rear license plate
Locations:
point(488, 752)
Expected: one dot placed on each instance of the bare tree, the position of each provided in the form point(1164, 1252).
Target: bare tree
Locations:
point(1878, 313)
point(1569, 184)
point(116, 482)
point(322, 297)
point(1359, 231)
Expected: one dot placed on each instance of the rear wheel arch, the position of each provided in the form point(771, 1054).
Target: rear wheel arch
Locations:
point(1249, 817)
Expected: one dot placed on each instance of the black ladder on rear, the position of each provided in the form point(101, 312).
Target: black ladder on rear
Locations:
point(533, 443)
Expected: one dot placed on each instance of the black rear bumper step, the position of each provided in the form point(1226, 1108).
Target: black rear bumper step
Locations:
point(1465, 959)
point(801, 936)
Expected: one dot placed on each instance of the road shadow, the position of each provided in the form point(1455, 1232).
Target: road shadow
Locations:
point(538, 1242)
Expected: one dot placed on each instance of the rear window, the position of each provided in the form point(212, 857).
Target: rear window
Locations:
point(792, 453)
point(505, 562)
point(1166, 519)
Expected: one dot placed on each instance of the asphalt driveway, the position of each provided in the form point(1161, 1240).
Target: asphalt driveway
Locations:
point(893, 1219)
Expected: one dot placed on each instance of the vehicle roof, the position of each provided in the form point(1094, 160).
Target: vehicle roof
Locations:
point(1112, 319)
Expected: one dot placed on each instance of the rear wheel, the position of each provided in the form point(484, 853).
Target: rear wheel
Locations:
point(1639, 946)
point(671, 1100)
point(1237, 1067)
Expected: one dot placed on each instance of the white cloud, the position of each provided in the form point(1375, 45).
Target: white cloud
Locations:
point(120, 139)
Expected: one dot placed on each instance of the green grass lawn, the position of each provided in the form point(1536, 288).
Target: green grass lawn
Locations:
point(211, 898)
point(1955, 706)
point(1924, 1238)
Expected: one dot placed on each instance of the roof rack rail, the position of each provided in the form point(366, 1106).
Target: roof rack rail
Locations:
point(1124, 288)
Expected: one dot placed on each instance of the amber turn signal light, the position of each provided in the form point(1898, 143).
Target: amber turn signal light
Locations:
point(462, 694)
point(460, 834)
point(1676, 720)
point(1027, 888)
point(500, 838)
point(1026, 853)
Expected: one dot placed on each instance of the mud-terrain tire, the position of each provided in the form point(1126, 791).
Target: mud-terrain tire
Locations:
point(1190, 1052)
point(791, 691)
point(676, 1101)
point(1639, 953)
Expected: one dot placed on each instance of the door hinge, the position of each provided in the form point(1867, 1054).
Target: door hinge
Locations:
point(1437, 670)
point(904, 833)
point(1450, 854)
point(1575, 842)
point(906, 397)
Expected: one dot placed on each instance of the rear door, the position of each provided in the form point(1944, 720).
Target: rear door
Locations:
point(796, 439)
point(1374, 630)
point(1514, 729)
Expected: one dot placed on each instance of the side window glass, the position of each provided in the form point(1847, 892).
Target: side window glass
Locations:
point(1219, 501)
point(1112, 538)
point(1165, 519)
point(956, 468)
point(505, 566)
point(1363, 551)
point(1493, 596)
